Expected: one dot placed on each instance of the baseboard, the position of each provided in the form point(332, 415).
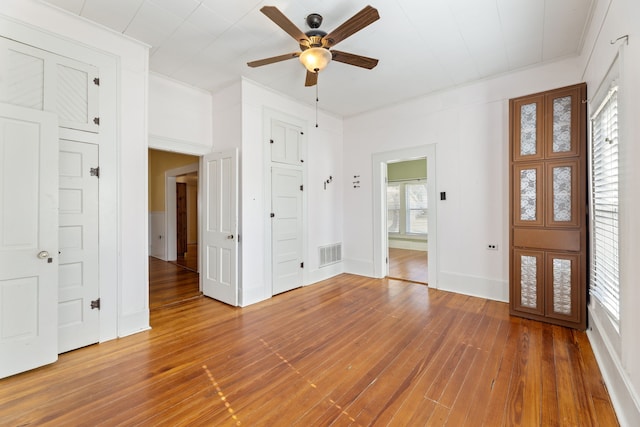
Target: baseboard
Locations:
point(483, 287)
point(625, 402)
point(133, 323)
point(358, 267)
point(324, 273)
point(414, 245)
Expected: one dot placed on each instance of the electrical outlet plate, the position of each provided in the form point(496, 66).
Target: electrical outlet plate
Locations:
point(492, 247)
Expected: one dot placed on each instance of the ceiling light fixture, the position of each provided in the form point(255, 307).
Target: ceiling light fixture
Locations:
point(315, 59)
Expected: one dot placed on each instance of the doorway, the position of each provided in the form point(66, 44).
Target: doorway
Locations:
point(422, 213)
point(173, 228)
point(407, 220)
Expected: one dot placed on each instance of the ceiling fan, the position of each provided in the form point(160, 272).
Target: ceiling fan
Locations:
point(315, 43)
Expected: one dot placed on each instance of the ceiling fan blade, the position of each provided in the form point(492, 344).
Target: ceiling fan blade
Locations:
point(352, 25)
point(283, 22)
point(351, 59)
point(311, 79)
point(265, 61)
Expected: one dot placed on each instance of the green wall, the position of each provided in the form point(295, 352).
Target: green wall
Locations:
point(411, 169)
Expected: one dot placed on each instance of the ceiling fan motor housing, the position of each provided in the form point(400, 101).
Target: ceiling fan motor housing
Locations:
point(314, 20)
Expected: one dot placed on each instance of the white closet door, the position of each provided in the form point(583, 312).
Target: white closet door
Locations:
point(78, 276)
point(285, 143)
point(286, 226)
point(35, 78)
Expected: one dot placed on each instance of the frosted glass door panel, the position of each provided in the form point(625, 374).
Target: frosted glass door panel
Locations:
point(528, 281)
point(562, 285)
point(562, 194)
point(529, 278)
point(561, 125)
point(527, 198)
point(528, 129)
point(527, 124)
point(563, 130)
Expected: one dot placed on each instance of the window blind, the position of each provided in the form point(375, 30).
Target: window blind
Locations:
point(604, 283)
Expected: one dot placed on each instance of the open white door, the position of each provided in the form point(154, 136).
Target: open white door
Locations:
point(28, 239)
point(219, 247)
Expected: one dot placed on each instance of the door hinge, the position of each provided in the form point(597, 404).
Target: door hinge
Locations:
point(95, 171)
point(302, 265)
point(386, 260)
point(96, 120)
point(96, 81)
point(302, 188)
point(95, 304)
point(272, 215)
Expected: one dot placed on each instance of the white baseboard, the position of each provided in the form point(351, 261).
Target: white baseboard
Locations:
point(133, 323)
point(358, 267)
point(324, 273)
point(414, 245)
point(483, 287)
point(625, 401)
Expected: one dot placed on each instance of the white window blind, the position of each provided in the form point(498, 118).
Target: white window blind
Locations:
point(604, 284)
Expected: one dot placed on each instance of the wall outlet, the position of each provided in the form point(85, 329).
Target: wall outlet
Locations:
point(492, 247)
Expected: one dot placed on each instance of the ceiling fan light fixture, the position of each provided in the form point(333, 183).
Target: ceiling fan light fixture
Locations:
point(315, 59)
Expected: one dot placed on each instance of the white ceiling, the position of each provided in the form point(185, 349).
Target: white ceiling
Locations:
point(423, 45)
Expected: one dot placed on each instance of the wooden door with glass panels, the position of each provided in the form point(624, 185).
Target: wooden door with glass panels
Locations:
point(548, 197)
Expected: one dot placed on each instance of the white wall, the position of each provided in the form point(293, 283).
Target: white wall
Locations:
point(245, 104)
point(123, 65)
point(180, 116)
point(619, 356)
point(469, 126)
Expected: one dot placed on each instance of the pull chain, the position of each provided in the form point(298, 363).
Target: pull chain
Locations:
point(316, 102)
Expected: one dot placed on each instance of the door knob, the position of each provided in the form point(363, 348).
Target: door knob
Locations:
point(43, 254)
point(230, 237)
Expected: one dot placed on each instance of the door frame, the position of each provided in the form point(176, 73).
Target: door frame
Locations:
point(380, 236)
point(170, 203)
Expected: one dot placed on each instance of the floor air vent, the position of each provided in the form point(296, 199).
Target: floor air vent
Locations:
point(330, 254)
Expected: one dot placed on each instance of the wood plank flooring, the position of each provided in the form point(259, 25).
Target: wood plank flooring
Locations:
point(170, 283)
point(189, 260)
point(408, 265)
point(349, 351)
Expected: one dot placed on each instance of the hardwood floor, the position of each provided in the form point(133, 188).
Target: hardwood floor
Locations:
point(408, 265)
point(349, 351)
point(190, 259)
point(170, 283)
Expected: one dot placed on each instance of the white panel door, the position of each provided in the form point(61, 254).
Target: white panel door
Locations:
point(286, 229)
point(219, 248)
point(28, 239)
point(78, 277)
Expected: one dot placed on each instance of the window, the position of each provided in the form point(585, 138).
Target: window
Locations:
point(393, 208)
point(407, 207)
point(416, 206)
point(604, 284)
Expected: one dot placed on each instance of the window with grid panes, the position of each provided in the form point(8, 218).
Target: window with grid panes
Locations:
point(407, 207)
point(416, 207)
point(393, 208)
